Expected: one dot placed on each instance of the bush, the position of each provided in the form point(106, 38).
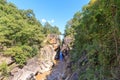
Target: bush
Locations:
point(4, 69)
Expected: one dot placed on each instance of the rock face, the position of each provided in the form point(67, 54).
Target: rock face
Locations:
point(67, 40)
point(33, 66)
point(39, 64)
point(66, 45)
point(3, 58)
point(62, 71)
point(54, 40)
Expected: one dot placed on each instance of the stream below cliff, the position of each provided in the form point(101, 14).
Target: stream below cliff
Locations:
point(56, 73)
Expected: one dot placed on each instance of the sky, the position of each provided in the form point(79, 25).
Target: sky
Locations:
point(56, 12)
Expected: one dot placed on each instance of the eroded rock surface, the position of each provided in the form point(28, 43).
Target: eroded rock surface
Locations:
point(43, 62)
point(40, 64)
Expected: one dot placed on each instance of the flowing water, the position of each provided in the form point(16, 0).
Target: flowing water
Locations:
point(61, 56)
point(56, 73)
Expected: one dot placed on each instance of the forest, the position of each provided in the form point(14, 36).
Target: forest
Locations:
point(21, 34)
point(94, 51)
point(96, 33)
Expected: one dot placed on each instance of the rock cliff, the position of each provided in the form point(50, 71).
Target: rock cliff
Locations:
point(41, 63)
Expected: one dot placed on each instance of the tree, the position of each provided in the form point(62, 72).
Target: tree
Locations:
point(49, 29)
point(20, 32)
point(96, 31)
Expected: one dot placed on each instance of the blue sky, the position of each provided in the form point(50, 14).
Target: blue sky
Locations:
point(56, 12)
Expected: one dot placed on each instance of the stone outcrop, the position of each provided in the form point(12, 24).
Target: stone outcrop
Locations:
point(62, 71)
point(33, 66)
point(7, 60)
point(67, 40)
point(41, 63)
point(54, 40)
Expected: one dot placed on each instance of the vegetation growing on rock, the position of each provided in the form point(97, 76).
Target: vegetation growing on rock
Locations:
point(96, 32)
point(21, 34)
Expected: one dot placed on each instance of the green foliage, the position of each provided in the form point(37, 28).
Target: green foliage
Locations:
point(34, 51)
point(20, 53)
point(4, 70)
point(49, 29)
point(19, 26)
point(20, 59)
point(21, 34)
point(96, 29)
